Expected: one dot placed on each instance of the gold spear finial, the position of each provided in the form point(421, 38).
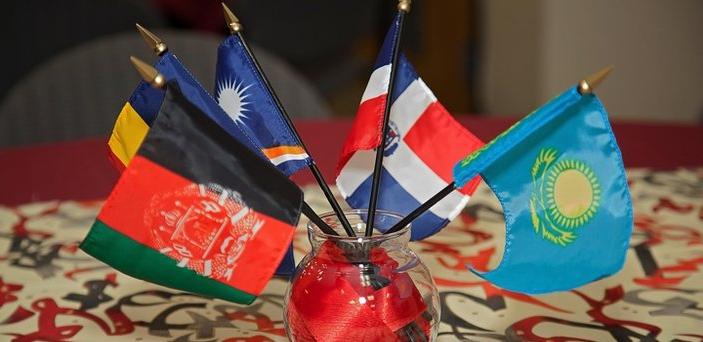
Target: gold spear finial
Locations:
point(232, 22)
point(152, 40)
point(148, 73)
point(404, 5)
point(587, 85)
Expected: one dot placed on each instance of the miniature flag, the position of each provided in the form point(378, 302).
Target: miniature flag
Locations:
point(196, 210)
point(423, 143)
point(138, 114)
point(559, 176)
point(241, 92)
point(133, 123)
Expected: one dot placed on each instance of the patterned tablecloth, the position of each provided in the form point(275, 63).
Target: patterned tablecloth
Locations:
point(50, 290)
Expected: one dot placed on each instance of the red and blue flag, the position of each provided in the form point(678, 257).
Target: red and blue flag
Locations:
point(424, 141)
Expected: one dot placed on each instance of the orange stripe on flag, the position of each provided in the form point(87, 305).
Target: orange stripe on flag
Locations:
point(274, 152)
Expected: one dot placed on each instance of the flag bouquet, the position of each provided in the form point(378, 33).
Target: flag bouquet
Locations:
point(204, 203)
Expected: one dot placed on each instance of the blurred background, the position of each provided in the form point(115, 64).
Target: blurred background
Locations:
point(66, 71)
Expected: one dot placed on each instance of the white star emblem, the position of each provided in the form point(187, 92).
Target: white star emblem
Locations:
point(231, 95)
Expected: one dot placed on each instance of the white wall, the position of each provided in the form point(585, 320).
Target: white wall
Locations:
point(535, 49)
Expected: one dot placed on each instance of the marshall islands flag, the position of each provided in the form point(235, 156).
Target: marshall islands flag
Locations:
point(241, 91)
point(195, 210)
point(559, 177)
point(424, 141)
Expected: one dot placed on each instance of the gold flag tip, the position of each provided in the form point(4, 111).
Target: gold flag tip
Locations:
point(152, 40)
point(588, 84)
point(404, 5)
point(148, 73)
point(232, 21)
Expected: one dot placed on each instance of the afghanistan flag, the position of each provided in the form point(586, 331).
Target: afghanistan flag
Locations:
point(559, 177)
point(139, 113)
point(195, 210)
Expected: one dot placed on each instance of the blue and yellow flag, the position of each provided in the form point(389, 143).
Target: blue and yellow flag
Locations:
point(559, 177)
point(133, 123)
point(140, 111)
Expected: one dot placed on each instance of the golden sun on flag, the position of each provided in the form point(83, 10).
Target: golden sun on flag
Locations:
point(231, 95)
point(573, 193)
point(566, 196)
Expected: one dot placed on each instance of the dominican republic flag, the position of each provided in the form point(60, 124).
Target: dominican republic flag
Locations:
point(423, 143)
point(241, 92)
point(196, 210)
point(138, 114)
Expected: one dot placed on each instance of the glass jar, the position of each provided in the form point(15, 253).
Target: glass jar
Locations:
point(361, 288)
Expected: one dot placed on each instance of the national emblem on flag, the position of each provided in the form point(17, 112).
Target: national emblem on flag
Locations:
point(559, 177)
point(139, 112)
point(196, 210)
point(241, 92)
point(424, 141)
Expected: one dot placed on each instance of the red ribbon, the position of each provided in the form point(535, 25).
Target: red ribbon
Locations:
point(331, 303)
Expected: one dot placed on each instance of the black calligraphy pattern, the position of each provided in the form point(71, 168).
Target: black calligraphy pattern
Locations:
point(50, 290)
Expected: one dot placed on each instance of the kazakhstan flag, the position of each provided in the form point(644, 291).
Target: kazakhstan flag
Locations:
point(559, 177)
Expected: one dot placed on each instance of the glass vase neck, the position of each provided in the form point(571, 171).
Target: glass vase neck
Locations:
point(357, 218)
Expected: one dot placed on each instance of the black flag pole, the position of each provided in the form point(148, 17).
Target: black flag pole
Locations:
point(319, 222)
point(585, 86)
point(236, 28)
point(422, 208)
point(403, 8)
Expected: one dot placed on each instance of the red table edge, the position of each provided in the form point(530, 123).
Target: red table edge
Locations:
point(80, 169)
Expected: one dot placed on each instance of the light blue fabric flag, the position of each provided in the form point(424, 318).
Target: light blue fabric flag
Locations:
point(559, 177)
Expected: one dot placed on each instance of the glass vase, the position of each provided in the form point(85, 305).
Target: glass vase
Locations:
point(361, 288)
